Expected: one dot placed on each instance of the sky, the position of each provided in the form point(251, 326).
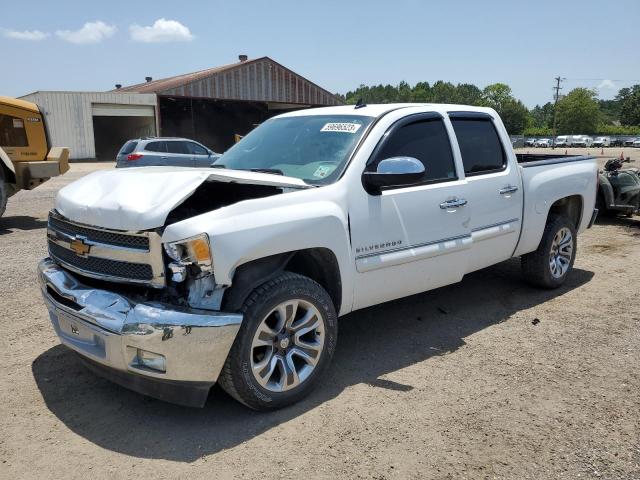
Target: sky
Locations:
point(91, 46)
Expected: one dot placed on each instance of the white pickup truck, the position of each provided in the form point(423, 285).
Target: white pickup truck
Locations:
point(167, 280)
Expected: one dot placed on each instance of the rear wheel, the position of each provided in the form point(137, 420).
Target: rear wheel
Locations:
point(550, 264)
point(286, 341)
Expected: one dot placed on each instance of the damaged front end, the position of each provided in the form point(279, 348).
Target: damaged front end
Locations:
point(142, 312)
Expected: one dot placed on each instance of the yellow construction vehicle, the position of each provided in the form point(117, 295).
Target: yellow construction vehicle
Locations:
point(26, 160)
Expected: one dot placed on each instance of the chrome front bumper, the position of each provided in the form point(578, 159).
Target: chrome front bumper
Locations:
point(110, 330)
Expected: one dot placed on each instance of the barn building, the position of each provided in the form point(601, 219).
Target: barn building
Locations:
point(213, 106)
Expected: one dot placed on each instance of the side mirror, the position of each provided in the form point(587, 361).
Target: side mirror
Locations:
point(393, 172)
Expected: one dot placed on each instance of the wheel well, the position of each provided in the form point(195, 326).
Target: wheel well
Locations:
point(7, 174)
point(319, 264)
point(570, 207)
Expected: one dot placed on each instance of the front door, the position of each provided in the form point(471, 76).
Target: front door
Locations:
point(410, 239)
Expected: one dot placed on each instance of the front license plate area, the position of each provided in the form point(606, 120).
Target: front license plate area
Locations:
point(74, 329)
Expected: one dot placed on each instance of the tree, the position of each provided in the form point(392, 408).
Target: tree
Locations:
point(629, 99)
point(578, 112)
point(542, 116)
point(514, 114)
point(468, 94)
point(443, 92)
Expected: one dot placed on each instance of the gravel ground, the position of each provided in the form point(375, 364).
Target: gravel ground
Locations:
point(488, 378)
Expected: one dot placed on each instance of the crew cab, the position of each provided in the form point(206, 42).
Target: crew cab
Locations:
point(167, 280)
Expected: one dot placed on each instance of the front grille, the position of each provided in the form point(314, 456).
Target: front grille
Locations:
point(97, 235)
point(101, 266)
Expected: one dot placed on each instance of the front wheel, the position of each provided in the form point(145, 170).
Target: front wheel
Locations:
point(286, 341)
point(550, 264)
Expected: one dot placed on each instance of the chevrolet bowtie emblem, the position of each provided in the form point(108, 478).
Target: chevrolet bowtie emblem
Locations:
point(79, 247)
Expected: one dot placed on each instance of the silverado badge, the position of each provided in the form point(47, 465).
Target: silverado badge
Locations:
point(79, 247)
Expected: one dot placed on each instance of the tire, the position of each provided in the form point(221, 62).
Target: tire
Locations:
point(4, 193)
point(550, 265)
point(267, 346)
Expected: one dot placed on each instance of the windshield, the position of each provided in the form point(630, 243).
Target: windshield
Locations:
point(313, 148)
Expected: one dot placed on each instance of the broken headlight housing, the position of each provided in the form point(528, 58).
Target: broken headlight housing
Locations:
point(194, 251)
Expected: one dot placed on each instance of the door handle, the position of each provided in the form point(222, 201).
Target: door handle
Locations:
point(454, 203)
point(508, 189)
point(164, 158)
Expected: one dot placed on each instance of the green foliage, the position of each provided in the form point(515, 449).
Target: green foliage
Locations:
point(538, 132)
point(514, 114)
point(578, 111)
point(619, 130)
point(629, 99)
point(541, 116)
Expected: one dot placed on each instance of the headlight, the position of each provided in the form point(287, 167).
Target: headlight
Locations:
point(192, 251)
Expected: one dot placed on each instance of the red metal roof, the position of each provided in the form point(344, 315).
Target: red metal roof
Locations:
point(260, 79)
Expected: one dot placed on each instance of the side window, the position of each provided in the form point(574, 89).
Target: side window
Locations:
point(425, 140)
point(480, 146)
point(197, 149)
point(12, 132)
point(177, 147)
point(156, 147)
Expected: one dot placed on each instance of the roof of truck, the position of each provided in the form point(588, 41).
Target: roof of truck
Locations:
point(375, 110)
point(23, 104)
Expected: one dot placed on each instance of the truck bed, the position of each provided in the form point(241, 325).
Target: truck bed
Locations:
point(535, 159)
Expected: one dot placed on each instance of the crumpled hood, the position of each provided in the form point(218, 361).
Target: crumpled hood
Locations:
point(141, 198)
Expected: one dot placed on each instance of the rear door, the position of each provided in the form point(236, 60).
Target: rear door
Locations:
point(495, 190)
point(178, 154)
point(155, 153)
point(410, 239)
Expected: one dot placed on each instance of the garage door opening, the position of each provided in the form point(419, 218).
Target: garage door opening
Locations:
point(113, 125)
point(215, 123)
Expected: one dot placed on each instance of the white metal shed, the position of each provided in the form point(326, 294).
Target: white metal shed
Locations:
point(96, 124)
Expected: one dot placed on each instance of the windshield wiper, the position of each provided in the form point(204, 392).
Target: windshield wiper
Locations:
point(273, 171)
point(217, 165)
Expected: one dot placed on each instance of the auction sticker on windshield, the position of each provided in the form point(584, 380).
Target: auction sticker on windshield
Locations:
point(341, 127)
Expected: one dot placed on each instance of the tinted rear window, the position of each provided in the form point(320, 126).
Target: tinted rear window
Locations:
point(480, 145)
point(177, 147)
point(128, 147)
point(156, 147)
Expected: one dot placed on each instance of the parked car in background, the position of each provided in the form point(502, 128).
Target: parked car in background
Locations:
point(581, 141)
point(530, 142)
point(563, 141)
point(628, 142)
point(168, 151)
point(616, 142)
point(636, 143)
point(602, 142)
point(543, 143)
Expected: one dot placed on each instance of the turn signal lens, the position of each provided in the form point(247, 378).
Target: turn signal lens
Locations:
point(192, 251)
point(200, 249)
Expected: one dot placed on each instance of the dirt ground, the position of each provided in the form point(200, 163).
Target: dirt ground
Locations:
point(488, 378)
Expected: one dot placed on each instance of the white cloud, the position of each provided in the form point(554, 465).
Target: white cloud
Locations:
point(606, 84)
point(31, 35)
point(162, 30)
point(91, 32)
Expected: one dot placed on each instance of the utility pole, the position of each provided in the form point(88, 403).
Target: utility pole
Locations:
point(557, 88)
